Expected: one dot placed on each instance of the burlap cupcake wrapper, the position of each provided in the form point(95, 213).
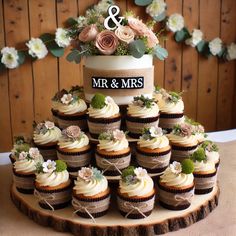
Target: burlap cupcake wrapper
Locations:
point(113, 164)
point(205, 182)
point(153, 162)
point(48, 154)
point(169, 123)
point(77, 160)
point(64, 123)
point(180, 155)
point(136, 209)
point(97, 128)
point(175, 199)
point(24, 182)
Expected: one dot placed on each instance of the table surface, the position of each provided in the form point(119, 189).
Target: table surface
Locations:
point(221, 222)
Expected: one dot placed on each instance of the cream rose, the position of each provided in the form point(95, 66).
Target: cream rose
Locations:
point(231, 52)
point(89, 33)
point(196, 38)
point(152, 39)
point(125, 34)
point(137, 26)
point(106, 42)
point(215, 46)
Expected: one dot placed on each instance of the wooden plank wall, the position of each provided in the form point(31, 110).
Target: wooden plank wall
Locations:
point(25, 93)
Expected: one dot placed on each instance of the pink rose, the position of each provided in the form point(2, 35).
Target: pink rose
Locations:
point(106, 42)
point(137, 26)
point(152, 39)
point(89, 33)
point(125, 34)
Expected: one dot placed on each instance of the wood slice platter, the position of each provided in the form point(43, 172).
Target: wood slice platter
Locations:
point(113, 224)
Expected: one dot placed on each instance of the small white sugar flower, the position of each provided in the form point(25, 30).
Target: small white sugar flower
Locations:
point(215, 46)
point(196, 38)
point(23, 155)
point(37, 48)
point(231, 52)
point(118, 134)
point(34, 152)
point(155, 131)
point(175, 22)
point(108, 100)
point(62, 39)
point(140, 172)
point(156, 8)
point(176, 167)
point(10, 57)
point(49, 166)
point(49, 124)
point(67, 98)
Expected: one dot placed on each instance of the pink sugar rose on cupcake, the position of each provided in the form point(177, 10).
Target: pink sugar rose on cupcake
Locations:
point(89, 33)
point(106, 42)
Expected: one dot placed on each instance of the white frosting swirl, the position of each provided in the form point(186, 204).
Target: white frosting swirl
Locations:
point(183, 140)
point(55, 105)
point(176, 180)
point(171, 107)
point(143, 187)
point(213, 156)
point(110, 145)
point(143, 112)
point(158, 97)
point(71, 144)
point(90, 187)
point(109, 110)
point(200, 137)
point(69, 109)
point(52, 179)
point(202, 166)
point(157, 142)
point(51, 136)
point(27, 165)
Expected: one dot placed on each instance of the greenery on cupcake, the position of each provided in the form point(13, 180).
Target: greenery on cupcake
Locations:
point(132, 175)
point(76, 89)
point(185, 167)
point(196, 126)
point(209, 146)
point(57, 97)
point(183, 129)
point(98, 101)
point(112, 135)
point(20, 145)
point(171, 96)
point(31, 154)
point(151, 133)
point(72, 133)
point(43, 127)
point(69, 98)
point(144, 101)
point(50, 166)
point(60, 166)
point(199, 155)
point(90, 174)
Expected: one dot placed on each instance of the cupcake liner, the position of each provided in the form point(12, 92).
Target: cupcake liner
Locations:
point(69, 187)
point(174, 208)
point(169, 123)
point(12, 159)
point(170, 190)
point(204, 175)
point(182, 148)
point(153, 153)
point(74, 153)
point(95, 215)
point(71, 117)
point(142, 120)
point(25, 191)
point(63, 124)
point(169, 115)
point(136, 216)
point(204, 183)
point(23, 175)
point(130, 199)
point(203, 191)
point(112, 156)
point(24, 184)
point(134, 135)
point(41, 147)
point(55, 206)
point(54, 112)
point(104, 120)
point(156, 170)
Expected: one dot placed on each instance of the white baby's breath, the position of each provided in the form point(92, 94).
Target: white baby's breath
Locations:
point(196, 38)
point(37, 48)
point(215, 46)
point(10, 57)
point(231, 52)
point(175, 22)
point(62, 39)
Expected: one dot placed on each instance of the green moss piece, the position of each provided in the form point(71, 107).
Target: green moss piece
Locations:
point(60, 166)
point(199, 155)
point(128, 171)
point(187, 166)
point(24, 147)
point(98, 101)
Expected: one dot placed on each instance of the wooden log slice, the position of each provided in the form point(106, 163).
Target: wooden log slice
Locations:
point(113, 224)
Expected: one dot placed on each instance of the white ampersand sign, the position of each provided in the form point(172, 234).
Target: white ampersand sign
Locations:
point(113, 11)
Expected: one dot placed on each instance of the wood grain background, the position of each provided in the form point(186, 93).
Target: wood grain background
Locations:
point(25, 93)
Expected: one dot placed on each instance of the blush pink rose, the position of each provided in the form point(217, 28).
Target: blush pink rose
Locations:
point(152, 39)
point(137, 26)
point(106, 42)
point(89, 33)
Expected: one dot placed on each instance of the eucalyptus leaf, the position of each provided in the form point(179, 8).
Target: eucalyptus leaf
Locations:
point(71, 56)
point(143, 2)
point(54, 49)
point(182, 35)
point(47, 37)
point(203, 48)
point(222, 52)
point(77, 58)
point(160, 17)
point(160, 52)
point(137, 48)
point(21, 55)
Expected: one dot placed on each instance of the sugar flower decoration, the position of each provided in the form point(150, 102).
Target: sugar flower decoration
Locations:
point(61, 38)
point(37, 48)
point(140, 173)
point(108, 100)
point(155, 132)
point(49, 124)
point(72, 131)
point(10, 57)
point(196, 38)
point(176, 167)
point(23, 155)
point(175, 22)
point(156, 8)
point(34, 153)
point(231, 52)
point(67, 99)
point(49, 166)
point(118, 135)
point(85, 173)
point(215, 46)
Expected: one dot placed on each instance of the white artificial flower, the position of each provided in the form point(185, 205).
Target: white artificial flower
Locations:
point(108, 100)
point(155, 131)
point(175, 22)
point(34, 152)
point(37, 48)
point(10, 57)
point(23, 155)
point(140, 172)
point(215, 46)
point(67, 98)
point(118, 134)
point(176, 167)
point(196, 38)
point(49, 166)
point(231, 52)
point(49, 124)
point(156, 8)
point(82, 21)
point(62, 39)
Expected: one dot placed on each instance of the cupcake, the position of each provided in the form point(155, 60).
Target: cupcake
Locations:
point(73, 148)
point(183, 142)
point(20, 145)
point(113, 152)
point(71, 111)
point(171, 110)
point(176, 186)
point(45, 137)
point(153, 150)
point(198, 130)
point(212, 152)
point(142, 113)
point(52, 185)
point(24, 170)
point(103, 115)
point(136, 193)
point(205, 176)
point(91, 194)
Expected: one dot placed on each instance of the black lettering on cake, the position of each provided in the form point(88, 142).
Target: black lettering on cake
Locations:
point(118, 82)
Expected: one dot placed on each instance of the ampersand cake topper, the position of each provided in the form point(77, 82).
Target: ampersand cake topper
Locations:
point(113, 12)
